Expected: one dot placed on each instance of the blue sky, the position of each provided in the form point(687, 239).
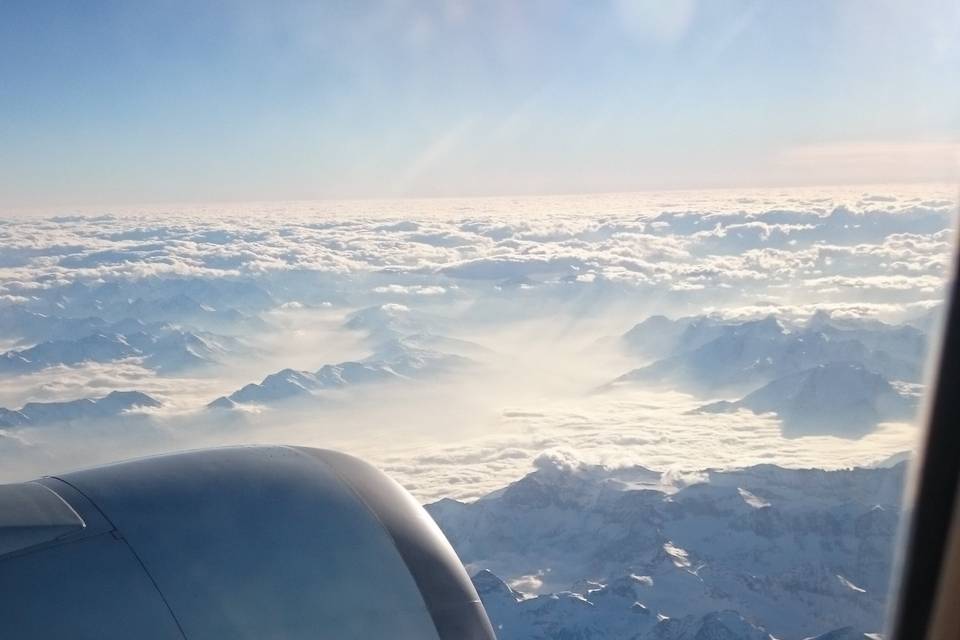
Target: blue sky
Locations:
point(130, 102)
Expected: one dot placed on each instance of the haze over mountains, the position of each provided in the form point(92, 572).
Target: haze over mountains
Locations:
point(726, 340)
point(111, 405)
point(163, 349)
point(820, 376)
point(841, 398)
point(393, 361)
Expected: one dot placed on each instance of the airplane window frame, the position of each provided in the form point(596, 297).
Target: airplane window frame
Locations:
point(928, 591)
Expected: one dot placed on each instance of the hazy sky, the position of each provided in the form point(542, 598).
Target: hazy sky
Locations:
point(104, 102)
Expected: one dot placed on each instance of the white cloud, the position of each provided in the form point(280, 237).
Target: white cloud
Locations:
point(413, 290)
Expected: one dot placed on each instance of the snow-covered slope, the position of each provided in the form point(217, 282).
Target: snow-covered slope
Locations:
point(217, 304)
point(824, 375)
point(290, 383)
point(161, 347)
point(94, 348)
point(905, 341)
point(389, 321)
point(393, 360)
point(794, 552)
point(837, 398)
point(166, 296)
point(12, 418)
point(30, 327)
point(602, 611)
point(113, 404)
point(177, 350)
point(659, 336)
point(706, 354)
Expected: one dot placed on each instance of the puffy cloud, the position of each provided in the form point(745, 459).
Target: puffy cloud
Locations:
point(413, 290)
point(679, 241)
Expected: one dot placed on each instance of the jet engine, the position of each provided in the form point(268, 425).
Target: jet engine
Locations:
point(243, 542)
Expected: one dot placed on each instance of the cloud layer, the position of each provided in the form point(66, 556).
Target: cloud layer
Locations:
point(532, 288)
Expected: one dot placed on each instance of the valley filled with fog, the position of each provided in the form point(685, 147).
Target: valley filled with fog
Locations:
point(620, 347)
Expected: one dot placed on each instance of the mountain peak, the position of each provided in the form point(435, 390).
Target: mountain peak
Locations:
point(489, 585)
point(111, 405)
point(129, 399)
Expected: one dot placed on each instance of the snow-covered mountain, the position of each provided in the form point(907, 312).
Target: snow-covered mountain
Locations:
point(177, 350)
point(183, 308)
point(390, 321)
point(446, 344)
point(94, 348)
point(32, 328)
point(823, 375)
point(111, 405)
point(604, 611)
point(288, 384)
point(838, 398)
point(742, 354)
point(12, 418)
point(709, 355)
point(226, 305)
point(161, 347)
point(795, 553)
point(610, 612)
point(393, 360)
point(659, 336)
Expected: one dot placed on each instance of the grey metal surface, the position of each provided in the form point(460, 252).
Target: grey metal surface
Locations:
point(90, 589)
point(449, 594)
point(243, 542)
point(85, 584)
point(31, 514)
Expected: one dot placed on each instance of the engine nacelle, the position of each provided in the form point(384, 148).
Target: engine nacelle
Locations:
point(244, 542)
